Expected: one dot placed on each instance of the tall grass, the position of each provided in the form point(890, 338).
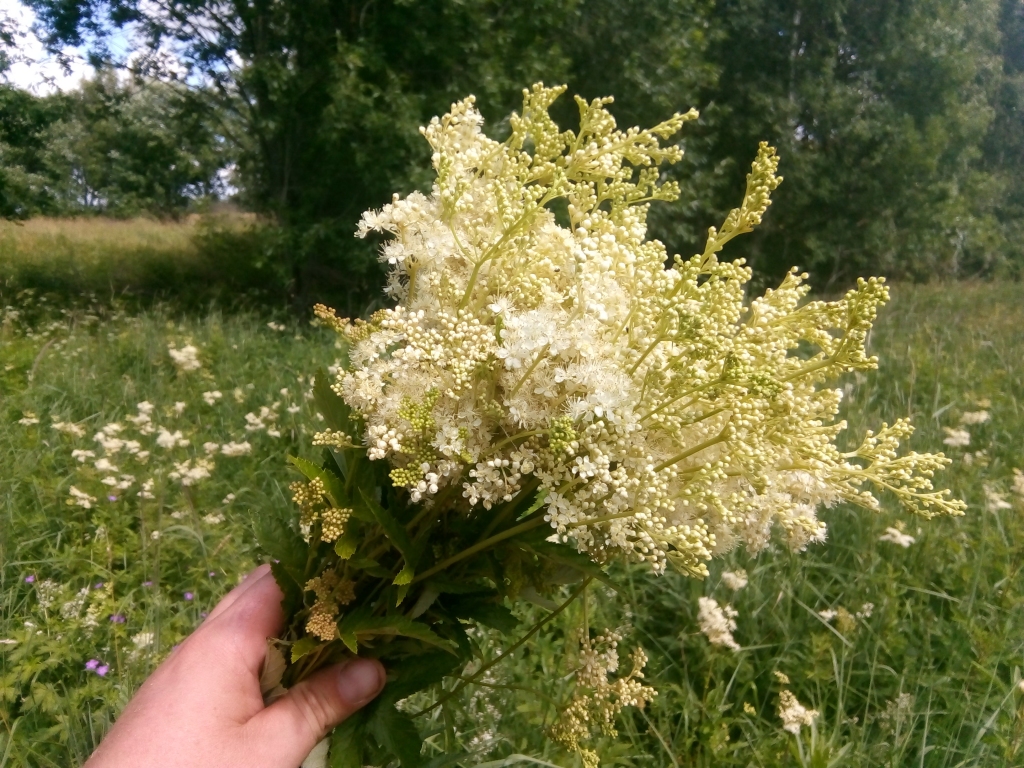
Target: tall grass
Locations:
point(930, 678)
point(192, 262)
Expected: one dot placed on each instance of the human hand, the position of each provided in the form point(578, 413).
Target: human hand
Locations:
point(202, 708)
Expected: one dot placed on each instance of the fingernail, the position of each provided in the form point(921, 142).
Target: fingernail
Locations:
point(360, 680)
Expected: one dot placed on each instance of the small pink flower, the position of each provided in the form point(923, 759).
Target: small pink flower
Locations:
point(189, 596)
point(30, 578)
point(117, 618)
point(102, 670)
point(147, 583)
point(91, 664)
point(111, 498)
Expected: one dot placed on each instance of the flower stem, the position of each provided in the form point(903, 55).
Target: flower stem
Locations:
point(508, 652)
point(508, 533)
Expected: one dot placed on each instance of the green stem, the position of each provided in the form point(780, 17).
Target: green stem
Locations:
point(508, 652)
point(688, 453)
point(529, 525)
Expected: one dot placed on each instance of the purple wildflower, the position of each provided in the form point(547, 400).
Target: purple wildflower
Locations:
point(91, 664)
point(111, 498)
point(31, 578)
point(204, 614)
point(102, 670)
point(189, 596)
point(117, 618)
point(212, 574)
point(147, 583)
point(98, 585)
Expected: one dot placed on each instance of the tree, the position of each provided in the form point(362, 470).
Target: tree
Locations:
point(879, 109)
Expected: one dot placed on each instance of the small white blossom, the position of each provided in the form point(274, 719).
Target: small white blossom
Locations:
point(82, 456)
point(214, 518)
point(166, 439)
point(957, 438)
point(236, 449)
point(186, 358)
point(735, 580)
point(81, 498)
point(898, 537)
point(717, 622)
point(794, 715)
point(211, 397)
point(69, 428)
point(179, 407)
point(28, 419)
point(974, 417)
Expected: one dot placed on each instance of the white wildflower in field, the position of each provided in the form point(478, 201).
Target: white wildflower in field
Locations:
point(865, 611)
point(735, 580)
point(793, 714)
point(228, 499)
point(236, 449)
point(168, 440)
point(179, 407)
point(717, 623)
point(239, 394)
point(1018, 482)
point(213, 518)
point(28, 419)
point(186, 358)
point(104, 465)
point(212, 397)
point(82, 456)
point(828, 614)
point(191, 471)
point(898, 537)
point(974, 417)
point(147, 489)
point(279, 327)
point(995, 501)
point(69, 428)
point(957, 438)
point(81, 498)
point(210, 448)
point(143, 639)
point(293, 409)
point(273, 432)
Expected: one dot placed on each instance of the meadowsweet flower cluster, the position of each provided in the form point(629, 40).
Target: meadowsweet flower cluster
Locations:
point(545, 396)
point(661, 416)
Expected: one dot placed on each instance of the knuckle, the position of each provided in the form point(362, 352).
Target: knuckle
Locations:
point(314, 708)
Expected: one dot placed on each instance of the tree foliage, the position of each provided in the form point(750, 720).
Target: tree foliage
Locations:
point(898, 122)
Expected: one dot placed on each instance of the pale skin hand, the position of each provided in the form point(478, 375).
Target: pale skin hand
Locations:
point(202, 707)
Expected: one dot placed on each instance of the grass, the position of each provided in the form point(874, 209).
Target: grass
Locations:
point(929, 679)
point(222, 258)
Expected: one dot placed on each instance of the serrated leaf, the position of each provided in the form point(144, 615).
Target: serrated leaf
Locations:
point(396, 732)
point(369, 566)
point(361, 624)
point(394, 530)
point(303, 646)
point(346, 546)
point(538, 502)
point(404, 576)
point(417, 673)
point(350, 640)
point(565, 555)
point(282, 544)
point(333, 487)
point(347, 742)
point(337, 415)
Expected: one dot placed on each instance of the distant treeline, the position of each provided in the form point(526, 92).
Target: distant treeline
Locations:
point(900, 122)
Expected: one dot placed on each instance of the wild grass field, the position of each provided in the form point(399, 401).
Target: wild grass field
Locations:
point(912, 655)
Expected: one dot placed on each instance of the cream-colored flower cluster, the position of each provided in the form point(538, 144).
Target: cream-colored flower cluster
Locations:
point(539, 345)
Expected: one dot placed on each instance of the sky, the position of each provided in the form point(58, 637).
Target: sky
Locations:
point(35, 70)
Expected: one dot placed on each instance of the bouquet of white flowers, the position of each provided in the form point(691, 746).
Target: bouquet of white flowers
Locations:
point(545, 397)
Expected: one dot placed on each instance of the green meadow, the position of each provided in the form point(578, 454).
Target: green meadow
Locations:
point(911, 655)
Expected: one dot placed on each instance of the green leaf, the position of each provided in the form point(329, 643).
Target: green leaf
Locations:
point(394, 530)
point(396, 732)
point(350, 640)
point(303, 646)
point(417, 673)
point(371, 567)
point(538, 502)
point(347, 742)
point(282, 544)
point(333, 486)
point(404, 576)
point(346, 546)
point(337, 415)
point(565, 555)
point(361, 624)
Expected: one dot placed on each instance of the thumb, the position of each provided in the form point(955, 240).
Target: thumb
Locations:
point(288, 729)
